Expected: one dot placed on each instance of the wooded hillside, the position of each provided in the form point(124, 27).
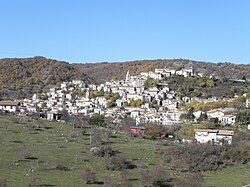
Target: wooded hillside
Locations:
point(21, 77)
point(101, 72)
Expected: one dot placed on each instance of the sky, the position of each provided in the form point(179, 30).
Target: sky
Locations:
point(89, 31)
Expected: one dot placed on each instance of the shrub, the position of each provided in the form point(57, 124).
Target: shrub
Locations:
point(109, 182)
point(240, 153)
point(52, 164)
point(124, 179)
point(89, 176)
point(3, 183)
point(146, 179)
point(103, 150)
point(33, 180)
point(205, 157)
point(116, 162)
point(62, 168)
point(188, 179)
point(156, 177)
point(153, 131)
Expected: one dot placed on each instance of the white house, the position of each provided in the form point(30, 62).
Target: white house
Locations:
point(248, 103)
point(198, 114)
point(152, 91)
point(213, 135)
point(8, 105)
point(228, 119)
point(135, 113)
point(54, 115)
point(215, 114)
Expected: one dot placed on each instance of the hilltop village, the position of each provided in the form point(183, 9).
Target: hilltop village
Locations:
point(145, 99)
point(132, 125)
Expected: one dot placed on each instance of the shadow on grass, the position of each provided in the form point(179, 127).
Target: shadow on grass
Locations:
point(34, 132)
point(30, 158)
point(16, 141)
point(99, 183)
point(131, 166)
point(19, 161)
point(133, 179)
point(62, 168)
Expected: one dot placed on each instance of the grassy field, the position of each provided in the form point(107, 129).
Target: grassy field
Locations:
point(234, 176)
point(30, 153)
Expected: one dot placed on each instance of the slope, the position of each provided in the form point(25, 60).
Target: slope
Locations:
point(21, 77)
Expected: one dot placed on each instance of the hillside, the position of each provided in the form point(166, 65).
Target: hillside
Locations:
point(43, 153)
point(21, 77)
point(101, 72)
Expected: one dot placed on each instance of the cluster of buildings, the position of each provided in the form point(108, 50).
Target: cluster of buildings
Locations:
point(157, 105)
point(76, 98)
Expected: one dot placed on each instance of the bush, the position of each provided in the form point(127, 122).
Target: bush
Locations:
point(52, 164)
point(89, 176)
point(3, 183)
point(153, 131)
point(240, 153)
point(116, 162)
point(124, 179)
point(97, 120)
point(109, 182)
point(62, 168)
point(103, 150)
point(205, 157)
point(188, 179)
point(157, 177)
point(146, 179)
point(98, 137)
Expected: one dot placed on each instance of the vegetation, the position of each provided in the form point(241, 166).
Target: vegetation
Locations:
point(97, 120)
point(237, 103)
point(237, 175)
point(152, 131)
point(149, 83)
point(243, 117)
point(42, 153)
point(95, 94)
point(101, 72)
point(21, 77)
point(112, 98)
point(136, 103)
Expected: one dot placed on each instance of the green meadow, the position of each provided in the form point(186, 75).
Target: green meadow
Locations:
point(46, 153)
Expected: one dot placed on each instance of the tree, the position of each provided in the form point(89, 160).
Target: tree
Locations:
point(136, 103)
point(111, 104)
point(243, 117)
point(97, 120)
point(190, 114)
point(149, 83)
point(203, 117)
point(153, 131)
